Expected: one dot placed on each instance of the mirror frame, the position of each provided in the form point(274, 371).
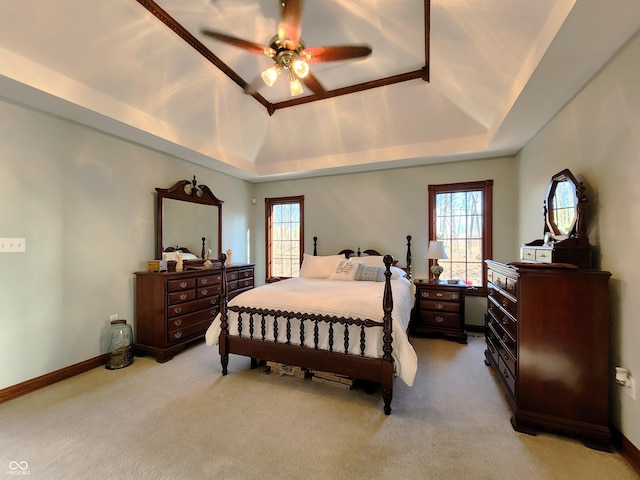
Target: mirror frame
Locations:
point(578, 229)
point(197, 194)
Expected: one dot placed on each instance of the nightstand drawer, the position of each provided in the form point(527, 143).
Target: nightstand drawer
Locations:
point(438, 295)
point(440, 319)
point(439, 305)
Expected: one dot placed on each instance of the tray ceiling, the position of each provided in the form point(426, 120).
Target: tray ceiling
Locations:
point(498, 71)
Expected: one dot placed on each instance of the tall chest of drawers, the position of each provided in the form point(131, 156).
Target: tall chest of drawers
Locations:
point(174, 309)
point(547, 333)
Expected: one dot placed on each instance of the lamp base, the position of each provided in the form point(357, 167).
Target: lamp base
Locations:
point(436, 271)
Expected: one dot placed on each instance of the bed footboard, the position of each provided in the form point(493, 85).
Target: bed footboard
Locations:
point(294, 338)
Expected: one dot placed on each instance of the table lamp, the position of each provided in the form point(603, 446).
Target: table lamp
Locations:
point(436, 251)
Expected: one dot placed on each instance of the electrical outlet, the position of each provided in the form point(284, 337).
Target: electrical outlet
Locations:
point(630, 387)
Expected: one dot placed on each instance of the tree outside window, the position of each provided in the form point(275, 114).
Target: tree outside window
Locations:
point(285, 236)
point(460, 215)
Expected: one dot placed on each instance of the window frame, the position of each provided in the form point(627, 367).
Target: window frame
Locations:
point(269, 204)
point(486, 186)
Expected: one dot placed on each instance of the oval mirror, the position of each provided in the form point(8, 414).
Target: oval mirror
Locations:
point(562, 205)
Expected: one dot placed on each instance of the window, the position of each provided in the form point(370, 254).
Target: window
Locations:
point(285, 236)
point(460, 214)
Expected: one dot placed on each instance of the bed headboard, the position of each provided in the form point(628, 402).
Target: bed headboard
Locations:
point(347, 252)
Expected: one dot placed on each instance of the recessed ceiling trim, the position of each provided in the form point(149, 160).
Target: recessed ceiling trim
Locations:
point(183, 33)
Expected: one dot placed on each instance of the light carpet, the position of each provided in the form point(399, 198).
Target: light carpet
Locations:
point(183, 420)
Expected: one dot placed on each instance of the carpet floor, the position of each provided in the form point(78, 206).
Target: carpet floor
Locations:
point(183, 420)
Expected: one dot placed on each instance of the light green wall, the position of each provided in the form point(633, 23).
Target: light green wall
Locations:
point(85, 203)
point(379, 209)
point(597, 136)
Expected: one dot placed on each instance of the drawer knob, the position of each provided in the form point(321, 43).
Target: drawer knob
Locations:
point(439, 306)
point(214, 300)
point(183, 284)
point(439, 294)
point(177, 310)
point(177, 322)
point(205, 291)
point(504, 338)
point(177, 335)
point(205, 281)
point(505, 320)
point(439, 319)
point(183, 296)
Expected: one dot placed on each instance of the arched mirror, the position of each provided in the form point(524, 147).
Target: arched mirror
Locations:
point(189, 218)
point(564, 206)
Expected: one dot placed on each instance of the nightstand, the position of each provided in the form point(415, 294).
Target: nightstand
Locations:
point(439, 310)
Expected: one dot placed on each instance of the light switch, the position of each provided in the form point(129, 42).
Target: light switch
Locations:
point(13, 245)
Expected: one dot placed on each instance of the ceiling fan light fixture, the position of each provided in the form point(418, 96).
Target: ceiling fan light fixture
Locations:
point(300, 68)
point(270, 75)
point(295, 87)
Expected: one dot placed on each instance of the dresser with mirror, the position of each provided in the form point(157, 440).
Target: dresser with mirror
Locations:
point(547, 325)
point(174, 307)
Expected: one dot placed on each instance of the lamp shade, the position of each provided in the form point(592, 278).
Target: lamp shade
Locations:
point(436, 250)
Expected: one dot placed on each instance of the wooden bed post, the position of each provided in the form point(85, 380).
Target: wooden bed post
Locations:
point(387, 348)
point(409, 259)
point(224, 326)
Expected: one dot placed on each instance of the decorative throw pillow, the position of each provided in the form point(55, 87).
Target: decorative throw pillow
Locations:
point(368, 273)
point(319, 266)
point(345, 270)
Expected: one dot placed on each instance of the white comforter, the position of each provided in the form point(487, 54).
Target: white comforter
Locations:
point(351, 299)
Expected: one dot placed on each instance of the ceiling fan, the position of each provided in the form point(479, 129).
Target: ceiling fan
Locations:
point(289, 52)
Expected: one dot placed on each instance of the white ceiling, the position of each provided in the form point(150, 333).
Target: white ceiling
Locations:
point(499, 70)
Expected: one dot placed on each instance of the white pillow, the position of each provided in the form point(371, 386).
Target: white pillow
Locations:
point(370, 260)
point(397, 272)
point(345, 270)
point(319, 266)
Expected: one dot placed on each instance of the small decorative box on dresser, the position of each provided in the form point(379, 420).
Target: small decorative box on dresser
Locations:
point(176, 308)
point(547, 339)
point(439, 309)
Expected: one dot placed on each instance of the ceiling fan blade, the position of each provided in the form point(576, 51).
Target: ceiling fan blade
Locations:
point(332, 54)
point(238, 42)
point(313, 84)
point(290, 23)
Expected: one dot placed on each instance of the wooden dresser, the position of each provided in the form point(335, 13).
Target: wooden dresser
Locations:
point(439, 310)
point(176, 308)
point(547, 333)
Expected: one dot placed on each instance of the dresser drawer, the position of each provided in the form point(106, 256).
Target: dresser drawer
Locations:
point(181, 334)
point(181, 284)
point(507, 284)
point(208, 291)
point(184, 308)
point(508, 304)
point(440, 319)
point(184, 321)
point(506, 321)
point(528, 254)
point(209, 280)
point(181, 297)
point(246, 273)
point(507, 376)
point(492, 348)
point(242, 284)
